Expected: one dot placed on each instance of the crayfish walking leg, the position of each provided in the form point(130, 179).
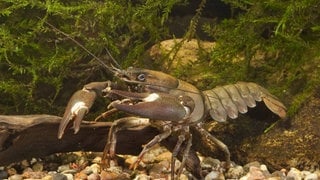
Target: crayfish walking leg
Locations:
point(181, 138)
point(206, 135)
point(120, 124)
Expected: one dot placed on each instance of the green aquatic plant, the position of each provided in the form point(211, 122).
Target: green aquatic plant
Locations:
point(36, 61)
point(274, 43)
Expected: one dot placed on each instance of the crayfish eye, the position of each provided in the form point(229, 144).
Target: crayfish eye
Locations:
point(141, 77)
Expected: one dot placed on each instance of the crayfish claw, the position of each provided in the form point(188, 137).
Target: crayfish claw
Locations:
point(79, 104)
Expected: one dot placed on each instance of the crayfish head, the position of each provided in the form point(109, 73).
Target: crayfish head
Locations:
point(151, 80)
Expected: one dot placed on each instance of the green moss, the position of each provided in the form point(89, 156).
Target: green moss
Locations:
point(36, 60)
point(40, 67)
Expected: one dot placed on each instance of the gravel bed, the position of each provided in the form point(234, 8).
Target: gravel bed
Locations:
point(155, 165)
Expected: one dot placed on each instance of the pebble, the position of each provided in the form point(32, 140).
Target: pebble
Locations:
point(47, 177)
point(247, 166)
point(104, 175)
point(94, 168)
point(16, 177)
point(254, 173)
point(278, 174)
point(142, 177)
point(11, 171)
point(156, 165)
point(34, 175)
point(311, 176)
point(81, 176)
point(94, 176)
point(3, 174)
point(235, 172)
point(214, 175)
point(294, 174)
point(37, 166)
point(69, 176)
point(58, 176)
point(64, 167)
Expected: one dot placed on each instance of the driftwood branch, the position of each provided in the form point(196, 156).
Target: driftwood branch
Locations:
point(27, 136)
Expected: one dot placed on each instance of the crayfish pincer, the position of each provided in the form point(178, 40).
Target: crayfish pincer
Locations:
point(171, 105)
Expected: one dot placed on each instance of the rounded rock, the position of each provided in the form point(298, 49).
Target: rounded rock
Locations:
point(81, 176)
point(15, 177)
point(63, 168)
point(214, 175)
point(311, 176)
point(58, 176)
point(294, 174)
point(3, 174)
point(142, 177)
point(38, 166)
point(93, 176)
point(11, 171)
point(246, 167)
point(255, 173)
point(69, 176)
point(279, 174)
point(235, 172)
point(47, 177)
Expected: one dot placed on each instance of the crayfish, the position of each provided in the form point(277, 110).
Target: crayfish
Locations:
point(169, 104)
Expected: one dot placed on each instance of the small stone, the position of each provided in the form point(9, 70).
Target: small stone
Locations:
point(279, 174)
point(34, 175)
point(63, 168)
point(235, 172)
point(12, 171)
point(183, 177)
point(80, 176)
point(58, 176)
point(263, 167)
point(265, 170)
point(33, 160)
point(159, 170)
point(275, 178)
point(294, 174)
point(95, 168)
point(164, 156)
point(142, 177)
point(104, 175)
point(305, 173)
point(3, 174)
point(130, 160)
point(47, 177)
point(94, 176)
point(28, 169)
point(97, 160)
point(317, 172)
point(24, 164)
point(311, 176)
point(246, 167)
point(15, 177)
point(214, 175)
point(69, 176)
point(151, 155)
point(255, 173)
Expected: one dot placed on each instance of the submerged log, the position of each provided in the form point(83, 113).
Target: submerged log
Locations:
point(27, 136)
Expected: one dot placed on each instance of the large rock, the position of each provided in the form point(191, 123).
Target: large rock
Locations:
point(295, 146)
point(176, 52)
